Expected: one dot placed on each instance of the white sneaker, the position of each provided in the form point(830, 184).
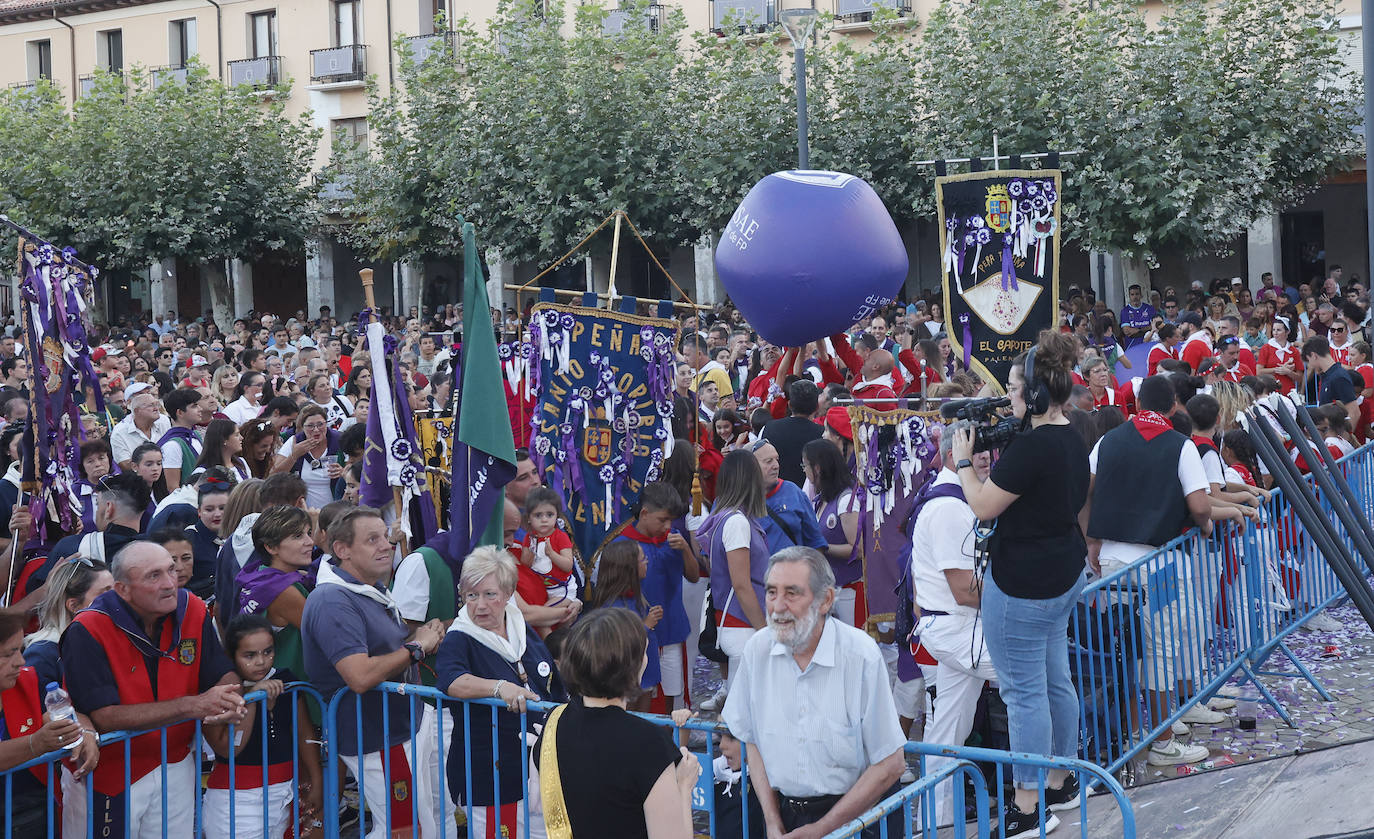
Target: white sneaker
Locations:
point(1174, 753)
point(1181, 729)
point(713, 702)
point(908, 777)
point(1322, 622)
point(1221, 703)
point(1201, 714)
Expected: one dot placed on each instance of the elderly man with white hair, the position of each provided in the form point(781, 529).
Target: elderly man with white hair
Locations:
point(813, 704)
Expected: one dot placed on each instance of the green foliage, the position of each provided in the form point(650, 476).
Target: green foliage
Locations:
point(135, 173)
point(1189, 128)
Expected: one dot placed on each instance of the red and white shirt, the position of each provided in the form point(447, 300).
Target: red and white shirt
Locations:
point(1158, 353)
point(1272, 354)
point(1197, 348)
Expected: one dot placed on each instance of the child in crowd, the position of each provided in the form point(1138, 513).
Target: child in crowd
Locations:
point(249, 641)
point(727, 771)
point(671, 562)
point(546, 550)
point(619, 581)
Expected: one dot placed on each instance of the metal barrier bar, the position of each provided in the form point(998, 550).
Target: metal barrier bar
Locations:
point(1158, 635)
point(924, 790)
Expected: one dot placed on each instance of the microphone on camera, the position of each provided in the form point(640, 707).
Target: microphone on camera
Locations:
point(957, 407)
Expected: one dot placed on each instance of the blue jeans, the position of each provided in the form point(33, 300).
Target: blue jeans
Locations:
point(1029, 644)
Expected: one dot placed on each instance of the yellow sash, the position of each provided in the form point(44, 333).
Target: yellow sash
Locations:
point(551, 786)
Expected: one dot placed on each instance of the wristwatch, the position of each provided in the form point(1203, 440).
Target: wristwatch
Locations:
point(417, 652)
point(963, 464)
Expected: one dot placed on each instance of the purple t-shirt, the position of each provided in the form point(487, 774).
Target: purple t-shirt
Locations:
point(1137, 317)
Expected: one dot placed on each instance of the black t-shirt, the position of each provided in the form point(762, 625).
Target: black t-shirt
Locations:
point(1037, 549)
point(608, 760)
point(789, 435)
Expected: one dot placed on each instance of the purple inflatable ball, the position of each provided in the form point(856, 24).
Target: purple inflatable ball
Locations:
point(807, 254)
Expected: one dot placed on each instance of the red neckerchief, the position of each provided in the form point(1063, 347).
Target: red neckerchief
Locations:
point(1151, 424)
point(640, 537)
point(774, 491)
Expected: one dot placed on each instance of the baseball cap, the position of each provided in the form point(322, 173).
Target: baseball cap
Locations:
point(199, 361)
point(97, 354)
point(135, 389)
point(306, 344)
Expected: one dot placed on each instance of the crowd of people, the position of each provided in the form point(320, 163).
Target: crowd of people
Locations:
point(220, 548)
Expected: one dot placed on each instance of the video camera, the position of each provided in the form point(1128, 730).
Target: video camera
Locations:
point(991, 431)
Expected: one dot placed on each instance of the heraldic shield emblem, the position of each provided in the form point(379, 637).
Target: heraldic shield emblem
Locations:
point(186, 651)
point(998, 206)
point(596, 442)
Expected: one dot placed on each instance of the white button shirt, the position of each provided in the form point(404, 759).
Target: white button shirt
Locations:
point(817, 730)
point(125, 436)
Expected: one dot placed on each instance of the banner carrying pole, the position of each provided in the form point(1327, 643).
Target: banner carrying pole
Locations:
point(365, 276)
point(615, 255)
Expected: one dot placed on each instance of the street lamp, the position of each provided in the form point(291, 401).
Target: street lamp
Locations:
point(799, 23)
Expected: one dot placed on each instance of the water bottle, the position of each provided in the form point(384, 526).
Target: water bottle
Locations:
point(59, 707)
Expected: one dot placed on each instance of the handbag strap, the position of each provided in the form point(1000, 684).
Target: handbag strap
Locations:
point(550, 785)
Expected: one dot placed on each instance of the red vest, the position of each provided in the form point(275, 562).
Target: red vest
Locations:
point(23, 706)
point(178, 675)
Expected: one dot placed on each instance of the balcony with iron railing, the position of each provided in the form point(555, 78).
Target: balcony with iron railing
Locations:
point(654, 18)
point(29, 85)
point(424, 46)
point(339, 65)
point(743, 16)
point(848, 12)
point(171, 73)
point(264, 71)
point(85, 84)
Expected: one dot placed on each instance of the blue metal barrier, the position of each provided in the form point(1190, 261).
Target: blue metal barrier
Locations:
point(923, 792)
point(177, 796)
point(480, 716)
point(1159, 634)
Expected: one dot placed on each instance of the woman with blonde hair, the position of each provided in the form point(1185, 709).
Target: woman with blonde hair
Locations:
point(1234, 399)
point(70, 587)
point(222, 384)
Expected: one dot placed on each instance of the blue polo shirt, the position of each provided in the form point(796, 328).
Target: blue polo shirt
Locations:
point(335, 624)
point(791, 520)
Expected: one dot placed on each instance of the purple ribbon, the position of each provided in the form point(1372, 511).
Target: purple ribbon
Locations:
point(1008, 267)
point(965, 320)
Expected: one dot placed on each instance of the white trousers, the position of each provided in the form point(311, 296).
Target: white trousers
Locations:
point(373, 783)
point(731, 640)
point(430, 766)
point(963, 665)
point(144, 804)
point(247, 817)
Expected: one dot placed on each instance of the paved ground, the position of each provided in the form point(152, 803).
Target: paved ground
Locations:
point(1343, 661)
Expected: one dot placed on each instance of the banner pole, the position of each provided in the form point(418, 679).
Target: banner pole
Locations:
point(615, 255)
point(365, 276)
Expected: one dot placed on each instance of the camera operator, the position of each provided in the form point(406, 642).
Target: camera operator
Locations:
point(1036, 492)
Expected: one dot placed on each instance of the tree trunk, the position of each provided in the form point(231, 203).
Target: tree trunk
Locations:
point(220, 293)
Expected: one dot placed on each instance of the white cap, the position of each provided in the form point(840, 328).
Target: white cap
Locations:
point(199, 361)
point(135, 389)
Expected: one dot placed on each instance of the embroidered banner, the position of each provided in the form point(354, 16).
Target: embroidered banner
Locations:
point(895, 453)
point(605, 405)
point(999, 240)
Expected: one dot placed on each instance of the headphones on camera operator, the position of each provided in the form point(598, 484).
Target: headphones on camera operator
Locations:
point(1034, 392)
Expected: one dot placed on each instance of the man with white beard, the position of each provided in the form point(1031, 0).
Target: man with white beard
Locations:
point(813, 704)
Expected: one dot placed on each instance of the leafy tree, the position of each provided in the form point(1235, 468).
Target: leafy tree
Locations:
point(139, 172)
point(1189, 129)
